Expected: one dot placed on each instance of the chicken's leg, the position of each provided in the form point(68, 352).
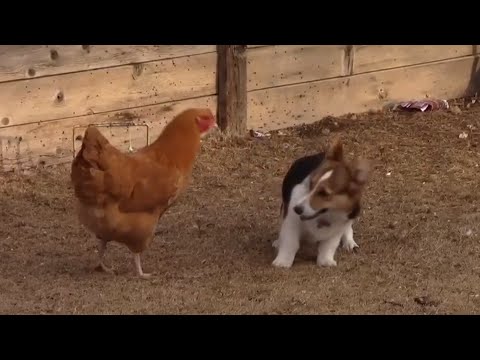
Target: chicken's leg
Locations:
point(138, 266)
point(102, 247)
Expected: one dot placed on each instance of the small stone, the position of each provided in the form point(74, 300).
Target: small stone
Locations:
point(455, 110)
point(426, 301)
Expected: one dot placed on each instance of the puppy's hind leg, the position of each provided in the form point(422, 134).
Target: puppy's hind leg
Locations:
point(276, 242)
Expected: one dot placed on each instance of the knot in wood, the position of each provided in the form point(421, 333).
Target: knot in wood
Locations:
point(53, 54)
point(60, 97)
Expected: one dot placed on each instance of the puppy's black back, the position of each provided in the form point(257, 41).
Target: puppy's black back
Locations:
point(299, 170)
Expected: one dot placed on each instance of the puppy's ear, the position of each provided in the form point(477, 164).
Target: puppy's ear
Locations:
point(360, 171)
point(335, 150)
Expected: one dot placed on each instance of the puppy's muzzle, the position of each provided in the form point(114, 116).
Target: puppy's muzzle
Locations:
point(305, 217)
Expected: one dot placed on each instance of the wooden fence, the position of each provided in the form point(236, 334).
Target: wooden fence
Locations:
point(49, 94)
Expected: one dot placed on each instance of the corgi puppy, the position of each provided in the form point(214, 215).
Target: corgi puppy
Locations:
point(320, 200)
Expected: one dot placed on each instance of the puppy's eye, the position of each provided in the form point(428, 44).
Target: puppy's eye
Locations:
point(322, 193)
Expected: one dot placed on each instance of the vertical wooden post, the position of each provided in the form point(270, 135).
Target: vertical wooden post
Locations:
point(348, 57)
point(474, 84)
point(232, 89)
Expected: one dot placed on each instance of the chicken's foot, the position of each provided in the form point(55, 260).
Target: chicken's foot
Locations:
point(102, 247)
point(138, 267)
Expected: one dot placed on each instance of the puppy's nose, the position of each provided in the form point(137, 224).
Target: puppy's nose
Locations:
point(298, 209)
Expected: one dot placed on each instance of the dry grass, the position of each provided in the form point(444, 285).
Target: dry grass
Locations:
point(418, 232)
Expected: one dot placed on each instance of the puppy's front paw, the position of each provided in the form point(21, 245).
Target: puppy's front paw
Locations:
point(350, 245)
point(326, 262)
point(282, 262)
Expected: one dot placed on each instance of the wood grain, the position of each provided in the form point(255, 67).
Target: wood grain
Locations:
point(51, 143)
point(309, 102)
point(288, 64)
point(380, 57)
point(104, 90)
point(31, 61)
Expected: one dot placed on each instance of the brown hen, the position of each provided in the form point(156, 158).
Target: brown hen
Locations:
point(122, 196)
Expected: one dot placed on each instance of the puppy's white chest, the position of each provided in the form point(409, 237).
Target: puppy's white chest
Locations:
point(324, 227)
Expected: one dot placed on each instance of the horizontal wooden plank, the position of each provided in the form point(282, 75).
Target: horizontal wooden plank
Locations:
point(30, 61)
point(380, 57)
point(255, 46)
point(103, 90)
point(288, 64)
point(51, 143)
point(306, 103)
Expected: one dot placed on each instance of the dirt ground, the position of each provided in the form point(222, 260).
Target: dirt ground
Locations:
point(418, 232)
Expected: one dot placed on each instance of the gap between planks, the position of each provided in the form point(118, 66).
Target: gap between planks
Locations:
point(364, 73)
point(106, 112)
point(108, 89)
point(71, 59)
